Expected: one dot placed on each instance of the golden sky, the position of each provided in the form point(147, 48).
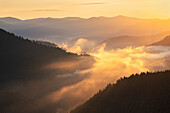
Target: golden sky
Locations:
point(25, 9)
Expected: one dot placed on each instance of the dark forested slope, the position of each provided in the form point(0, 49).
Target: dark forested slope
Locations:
point(31, 72)
point(20, 56)
point(145, 93)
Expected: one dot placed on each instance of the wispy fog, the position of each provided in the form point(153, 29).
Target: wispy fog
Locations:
point(65, 84)
point(108, 67)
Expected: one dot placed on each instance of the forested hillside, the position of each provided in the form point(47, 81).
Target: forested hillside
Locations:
point(22, 55)
point(139, 93)
point(31, 71)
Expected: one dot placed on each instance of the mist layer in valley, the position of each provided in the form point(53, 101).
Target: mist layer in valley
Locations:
point(65, 81)
point(110, 66)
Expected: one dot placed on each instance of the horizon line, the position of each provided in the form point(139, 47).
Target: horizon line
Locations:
point(84, 17)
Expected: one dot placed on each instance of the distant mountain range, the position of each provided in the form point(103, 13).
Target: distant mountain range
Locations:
point(139, 93)
point(10, 20)
point(97, 29)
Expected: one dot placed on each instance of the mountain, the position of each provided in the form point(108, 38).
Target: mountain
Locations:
point(10, 20)
point(96, 29)
point(62, 29)
point(135, 41)
point(31, 71)
point(17, 52)
point(164, 42)
point(144, 93)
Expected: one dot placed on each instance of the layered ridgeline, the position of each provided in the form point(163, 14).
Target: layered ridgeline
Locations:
point(95, 28)
point(144, 93)
point(31, 71)
point(164, 42)
point(134, 41)
point(116, 32)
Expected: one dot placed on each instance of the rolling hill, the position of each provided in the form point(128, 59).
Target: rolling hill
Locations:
point(139, 93)
point(164, 42)
point(134, 41)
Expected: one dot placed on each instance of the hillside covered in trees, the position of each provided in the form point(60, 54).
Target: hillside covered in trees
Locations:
point(139, 93)
point(30, 71)
point(20, 55)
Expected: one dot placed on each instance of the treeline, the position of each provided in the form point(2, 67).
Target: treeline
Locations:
point(139, 93)
point(14, 39)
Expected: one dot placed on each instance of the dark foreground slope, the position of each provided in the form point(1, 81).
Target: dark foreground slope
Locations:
point(145, 93)
point(20, 56)
point(30, 72)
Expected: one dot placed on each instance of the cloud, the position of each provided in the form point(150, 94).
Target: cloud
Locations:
point(99, 3)
point(46, 10)
point(88, 4)
point(81, 45)
point(62, 92)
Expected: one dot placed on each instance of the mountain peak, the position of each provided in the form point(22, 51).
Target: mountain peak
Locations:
point(124, 17)
point(10, 20)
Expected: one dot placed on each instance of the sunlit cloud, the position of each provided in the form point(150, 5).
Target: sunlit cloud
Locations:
point(81, 45)
point(106, 69)
point(88, 4)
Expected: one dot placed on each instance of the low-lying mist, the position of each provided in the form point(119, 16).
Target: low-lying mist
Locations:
point(108, 67)
point(64, 83)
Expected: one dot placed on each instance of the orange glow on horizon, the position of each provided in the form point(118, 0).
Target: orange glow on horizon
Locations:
point(85, 9)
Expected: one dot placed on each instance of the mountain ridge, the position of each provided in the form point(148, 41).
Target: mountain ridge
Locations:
point(31, 71)
point(163, 42)
point(138, 93)
point(118, 16)
point(124, 41)
point(96, 29)
point(10, 20)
